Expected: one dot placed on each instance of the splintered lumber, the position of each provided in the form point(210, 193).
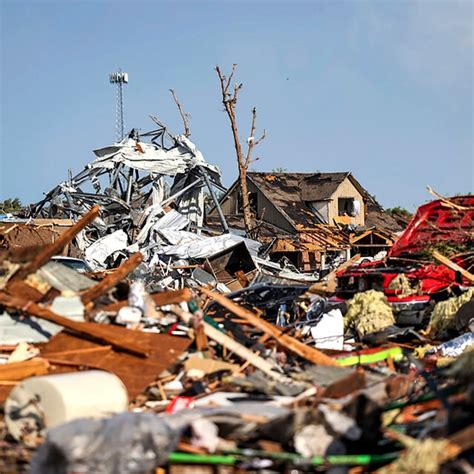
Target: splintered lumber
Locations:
point(100, 332)
point(235, 347)
point(20, 287)
point(328, 285)
point(112, 278)
point(446, 200)
point(160, 299)
point(453, 266)
point(136, 373)
point(24, 369)
point(297, 347)
point(56, 247)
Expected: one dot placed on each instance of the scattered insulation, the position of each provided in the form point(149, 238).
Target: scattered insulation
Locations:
point(442, 319)
point(403, 286)
point(421, 457)
point(369, 312)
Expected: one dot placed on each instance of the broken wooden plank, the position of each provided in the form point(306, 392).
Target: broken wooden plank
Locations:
point(328, 285)
point(446, 200)
point(21, 287)
point(160, 299)
point(235, 347)
point(112, 278)
point(80, 351)
point(453, 266)
point(15, 371)
point(101, 332)
point(135, 372)
point(54, 248)
point(306, 352)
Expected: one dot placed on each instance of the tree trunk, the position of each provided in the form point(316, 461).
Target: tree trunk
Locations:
point(230, 101)
point(242, 171)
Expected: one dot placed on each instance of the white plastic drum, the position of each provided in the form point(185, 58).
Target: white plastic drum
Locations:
point(39, 403)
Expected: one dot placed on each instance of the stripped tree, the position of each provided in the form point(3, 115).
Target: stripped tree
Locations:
point(184, 116)
point(229, 99)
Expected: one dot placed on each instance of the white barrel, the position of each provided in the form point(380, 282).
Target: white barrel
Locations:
point(39, 403)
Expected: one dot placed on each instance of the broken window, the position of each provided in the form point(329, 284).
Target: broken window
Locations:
point(348, 206)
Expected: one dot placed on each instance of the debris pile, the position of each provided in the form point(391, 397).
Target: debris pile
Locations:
point(187, 348)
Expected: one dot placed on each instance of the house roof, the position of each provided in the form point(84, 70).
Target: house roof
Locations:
point(290, 192)
point(378, 218)
point(321, 186)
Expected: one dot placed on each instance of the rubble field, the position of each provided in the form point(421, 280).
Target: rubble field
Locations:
point(138, 336)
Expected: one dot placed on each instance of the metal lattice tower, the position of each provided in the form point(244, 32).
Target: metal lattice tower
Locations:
point(119, 78)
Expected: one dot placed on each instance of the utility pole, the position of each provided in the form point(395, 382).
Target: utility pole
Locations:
point(119, 78)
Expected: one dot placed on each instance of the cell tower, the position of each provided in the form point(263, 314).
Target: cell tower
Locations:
point(120, 78)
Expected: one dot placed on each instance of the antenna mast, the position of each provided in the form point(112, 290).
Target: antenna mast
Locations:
point(119, 78)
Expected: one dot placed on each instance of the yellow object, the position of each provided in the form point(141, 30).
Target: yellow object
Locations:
point(442, 318)
point(421, 457)
point(403, 286)
point(420, 351)
point(368, 312)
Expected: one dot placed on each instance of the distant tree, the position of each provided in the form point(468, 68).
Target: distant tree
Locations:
point(400, 212)
point(10, 205)
point(280, 170)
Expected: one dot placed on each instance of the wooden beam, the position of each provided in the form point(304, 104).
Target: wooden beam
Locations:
point(24, 369)
point(112, 278)
point(55, 247)
point(328, 285)
point(97, 331)
point(160, 299)
point(235, 347)
point(453, 266)
point(293, 345)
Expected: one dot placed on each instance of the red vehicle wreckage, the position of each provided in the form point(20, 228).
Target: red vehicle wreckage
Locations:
point(409, 276)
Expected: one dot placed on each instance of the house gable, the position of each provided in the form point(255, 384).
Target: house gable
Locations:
point(265, 210)
point(346, 190)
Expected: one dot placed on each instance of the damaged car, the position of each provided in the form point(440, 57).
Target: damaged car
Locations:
point(410, 277)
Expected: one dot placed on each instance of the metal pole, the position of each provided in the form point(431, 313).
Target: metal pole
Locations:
point(225, 227)
point(121, 125)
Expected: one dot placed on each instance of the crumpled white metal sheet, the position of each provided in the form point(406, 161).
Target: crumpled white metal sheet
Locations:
point(189, 245)
point(147, 157)
point(98, 252)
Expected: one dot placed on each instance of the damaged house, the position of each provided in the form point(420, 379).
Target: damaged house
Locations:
point(311, 218)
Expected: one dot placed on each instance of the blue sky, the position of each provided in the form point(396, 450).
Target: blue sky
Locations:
point(380, 88)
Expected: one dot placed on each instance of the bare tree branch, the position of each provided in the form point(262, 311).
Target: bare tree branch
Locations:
point(222, 81)
point(225, 85)
point(251, 141)
point(184, 116)
point(237, 88)
point(262, 137)
point(234, 67)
